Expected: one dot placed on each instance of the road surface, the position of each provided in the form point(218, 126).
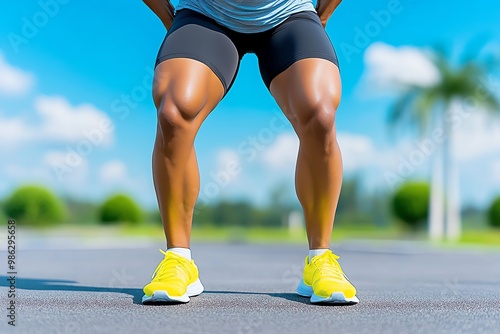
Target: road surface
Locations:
point(403, 288)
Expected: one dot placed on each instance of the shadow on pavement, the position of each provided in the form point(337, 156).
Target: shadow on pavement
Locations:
point(284, 295)
point(136, 293)
point(65, 285)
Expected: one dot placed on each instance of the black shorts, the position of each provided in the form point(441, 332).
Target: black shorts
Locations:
point(196, 36)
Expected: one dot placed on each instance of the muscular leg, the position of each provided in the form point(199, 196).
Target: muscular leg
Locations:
point(309, 92)
point(185, 91)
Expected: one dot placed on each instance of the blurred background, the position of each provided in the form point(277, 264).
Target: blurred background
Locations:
point(419, 126)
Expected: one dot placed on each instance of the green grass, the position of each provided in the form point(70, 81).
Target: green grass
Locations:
point(263, 234)
point(482, 237)
point(479, 237)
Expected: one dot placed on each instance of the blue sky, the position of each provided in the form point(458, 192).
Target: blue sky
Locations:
point(72, 70)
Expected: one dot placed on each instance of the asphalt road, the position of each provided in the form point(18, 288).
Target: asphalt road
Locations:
point(250, 289)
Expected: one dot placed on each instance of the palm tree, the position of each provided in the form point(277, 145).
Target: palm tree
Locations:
point(438, 106)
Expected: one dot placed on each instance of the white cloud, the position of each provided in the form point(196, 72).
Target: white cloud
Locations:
point(66, 167)
point(59, 121)
point(281, 155)
point(495, 171)
point(387, 67)
point(113, 171)
point(54, 157)
point(25, 174)
point(63, 122)
point(68, 178)
point(357, 151)
point(477, 136)
point(13, 81)
point(227, 157)
point(14, 131)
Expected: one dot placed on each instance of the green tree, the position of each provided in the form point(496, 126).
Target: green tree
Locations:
point(80, 211)
point(34, 205)
point(233, 213)
point(154, 217)
point(270, 216)
point(120, 208)
point(3, 217)
point(282, 201)
point(494, 213)
point(435, 104)
point(411, 203)
point(349, 199)
point(203, 215)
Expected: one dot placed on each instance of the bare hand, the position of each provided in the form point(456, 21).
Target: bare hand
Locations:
point(325, 9)
point(163, 9)
point(168, 20)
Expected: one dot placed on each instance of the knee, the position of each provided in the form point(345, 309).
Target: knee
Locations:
point(318, 120)
point(178, 109)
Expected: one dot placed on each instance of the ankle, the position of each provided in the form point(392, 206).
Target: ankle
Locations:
point(316, 252)
point(184, 252)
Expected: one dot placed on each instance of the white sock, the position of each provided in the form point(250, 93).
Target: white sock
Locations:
point(184, 252)
point(314, 252)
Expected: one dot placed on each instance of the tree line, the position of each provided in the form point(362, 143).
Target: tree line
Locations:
point(37, 206)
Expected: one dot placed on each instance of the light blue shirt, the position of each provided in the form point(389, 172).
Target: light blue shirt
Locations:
point(248, 16)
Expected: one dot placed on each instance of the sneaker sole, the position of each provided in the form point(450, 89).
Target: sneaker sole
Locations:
point(336, 298)
point(162, 296)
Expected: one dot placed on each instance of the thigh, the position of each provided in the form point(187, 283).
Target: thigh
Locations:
point(308, 88)
point(301, 36)
point(185, 90)
point(197, 37)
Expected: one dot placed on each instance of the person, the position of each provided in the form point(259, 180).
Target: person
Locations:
point(195, 68)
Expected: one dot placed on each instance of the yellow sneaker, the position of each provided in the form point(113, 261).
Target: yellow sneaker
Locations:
point(325, 282)
point(174, 280)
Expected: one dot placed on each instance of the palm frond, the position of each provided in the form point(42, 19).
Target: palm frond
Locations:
point(413, 109)
point(473, 48)
point(489, 100)
point(424, 106)
point(400, 108)
point(465, 81)
point(439, 57)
